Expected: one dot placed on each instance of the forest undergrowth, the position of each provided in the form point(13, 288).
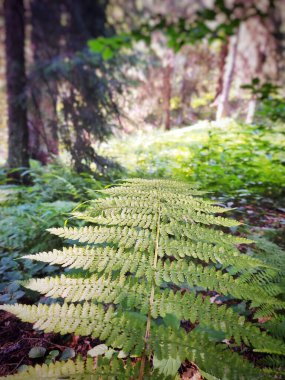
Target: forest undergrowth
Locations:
point(243, 169)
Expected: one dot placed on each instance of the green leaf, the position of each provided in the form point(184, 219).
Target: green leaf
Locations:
point(68, 353)
point(51, 356)
point(107, 54)
point(255, 81)
point(167, 367)
point(96, 45)
point(98, 350)
point(37, 352)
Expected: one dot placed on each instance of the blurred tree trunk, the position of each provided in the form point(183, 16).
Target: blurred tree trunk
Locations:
point(228, 74)
point(166, 97)
point(187, 90)
point(184, 95)
point(167, 89)
point(261, 58)
point(45, 37)
point(87, 19)
point(16, 84)
point(266, 30)
point(251, 110)
point(222, 65)
point(275, 19)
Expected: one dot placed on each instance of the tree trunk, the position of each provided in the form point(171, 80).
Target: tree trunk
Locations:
point(275, 19)
point(251, 110)
point(167, 89)
point(261, 58)
point(167, 97)
point(87, 20)
point(16, 85)
point(223, 100)
point(186, 95)
point(222, 65)
point(45, 36)
point(261, 50)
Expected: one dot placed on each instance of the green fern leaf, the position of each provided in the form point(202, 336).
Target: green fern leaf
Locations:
point(143, 265)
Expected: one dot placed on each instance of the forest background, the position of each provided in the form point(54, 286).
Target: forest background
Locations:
point(92, 92)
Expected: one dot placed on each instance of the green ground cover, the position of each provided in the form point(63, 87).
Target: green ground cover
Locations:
point(224, 157)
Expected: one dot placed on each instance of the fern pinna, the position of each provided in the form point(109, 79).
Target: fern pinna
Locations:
point(140, 278)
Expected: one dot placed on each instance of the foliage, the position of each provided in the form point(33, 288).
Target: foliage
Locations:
point(79, 370)
point(86, 111)
point(243, 160)
point(139, 273)
point(214, 23)
point(269, 252)
point(71, 92)
point(261, 91)
point(271, 104)
point(26, 213)
point(272, 109)
point(227, 157)
point(273, 255)
point(179, 26)
point(67, 370)
point(22, 230)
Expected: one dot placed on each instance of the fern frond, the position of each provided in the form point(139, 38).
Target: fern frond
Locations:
point(148, 191)
point(85, 319)
point(182, 273)
point(103, 289)
point(85, 370)
point(188, 306)
point(150, 251)
point(123, 237)
point(172, 201)
point(270, 253)
point(198, 233)
point(70, 369)
point(208, 252)
point(276, 326)
point(119, 330)
point(141, 219)
point(109, 259)
point(197, 347)
point(97, 259)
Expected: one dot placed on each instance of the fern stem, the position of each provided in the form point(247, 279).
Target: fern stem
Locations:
point(151, 299)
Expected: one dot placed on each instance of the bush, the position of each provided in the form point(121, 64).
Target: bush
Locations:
point(226, 157)
point(26, 212)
